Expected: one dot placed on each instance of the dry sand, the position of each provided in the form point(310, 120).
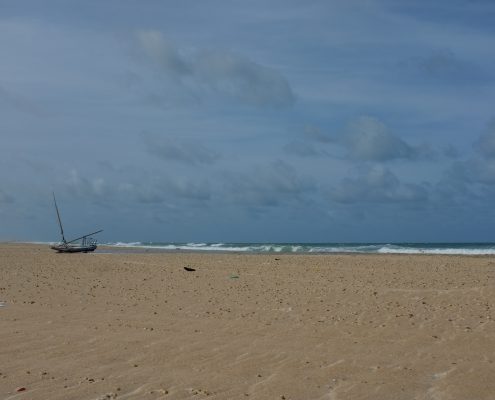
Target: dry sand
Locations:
point(138, 326)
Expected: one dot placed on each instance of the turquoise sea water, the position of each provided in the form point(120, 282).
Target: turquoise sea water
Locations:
point(371, 248)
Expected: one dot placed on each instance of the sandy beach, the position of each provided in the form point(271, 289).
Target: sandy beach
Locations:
point(245, 326)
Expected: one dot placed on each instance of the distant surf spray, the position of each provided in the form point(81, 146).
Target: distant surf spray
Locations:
point(360, 248)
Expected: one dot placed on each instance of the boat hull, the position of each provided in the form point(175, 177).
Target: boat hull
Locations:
point(64, 248)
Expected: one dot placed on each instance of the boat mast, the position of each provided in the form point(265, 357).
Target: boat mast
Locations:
point(59, 220)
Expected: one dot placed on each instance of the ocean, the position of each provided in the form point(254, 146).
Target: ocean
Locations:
point(303, 248)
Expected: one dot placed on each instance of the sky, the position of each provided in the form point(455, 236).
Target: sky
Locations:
point(248, 121)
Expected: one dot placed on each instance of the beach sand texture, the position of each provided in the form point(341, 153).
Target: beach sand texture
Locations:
point(138, 326)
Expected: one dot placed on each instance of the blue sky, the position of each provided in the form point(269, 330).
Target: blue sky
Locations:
point(315, 121)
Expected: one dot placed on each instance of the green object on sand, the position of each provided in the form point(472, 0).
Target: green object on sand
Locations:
point(234, 276)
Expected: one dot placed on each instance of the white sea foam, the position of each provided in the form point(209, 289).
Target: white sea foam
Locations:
point(454, 249)
point(124, 244)
point(447, 251)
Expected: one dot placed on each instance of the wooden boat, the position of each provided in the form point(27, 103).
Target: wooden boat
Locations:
point(86, 245)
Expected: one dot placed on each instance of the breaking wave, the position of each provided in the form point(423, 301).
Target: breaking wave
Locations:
point(362, 248)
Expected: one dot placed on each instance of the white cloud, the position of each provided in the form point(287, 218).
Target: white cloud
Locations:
point(369, 139)
point(475, 170)
point(81, 186)
point(162, 52)
point(269, 185)
point(150, 188)
point(225, 73)
point(365, 139)
point(377, 185)
point(479, 169)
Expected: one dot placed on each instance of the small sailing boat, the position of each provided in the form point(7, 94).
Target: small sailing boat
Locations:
point(87, 242)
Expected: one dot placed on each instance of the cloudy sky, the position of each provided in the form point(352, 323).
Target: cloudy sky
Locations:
point(313, 121)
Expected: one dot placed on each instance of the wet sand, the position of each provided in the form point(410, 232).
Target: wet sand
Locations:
point(138, 326)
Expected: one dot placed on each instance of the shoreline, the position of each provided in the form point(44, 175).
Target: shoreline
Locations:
point(118, 249)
